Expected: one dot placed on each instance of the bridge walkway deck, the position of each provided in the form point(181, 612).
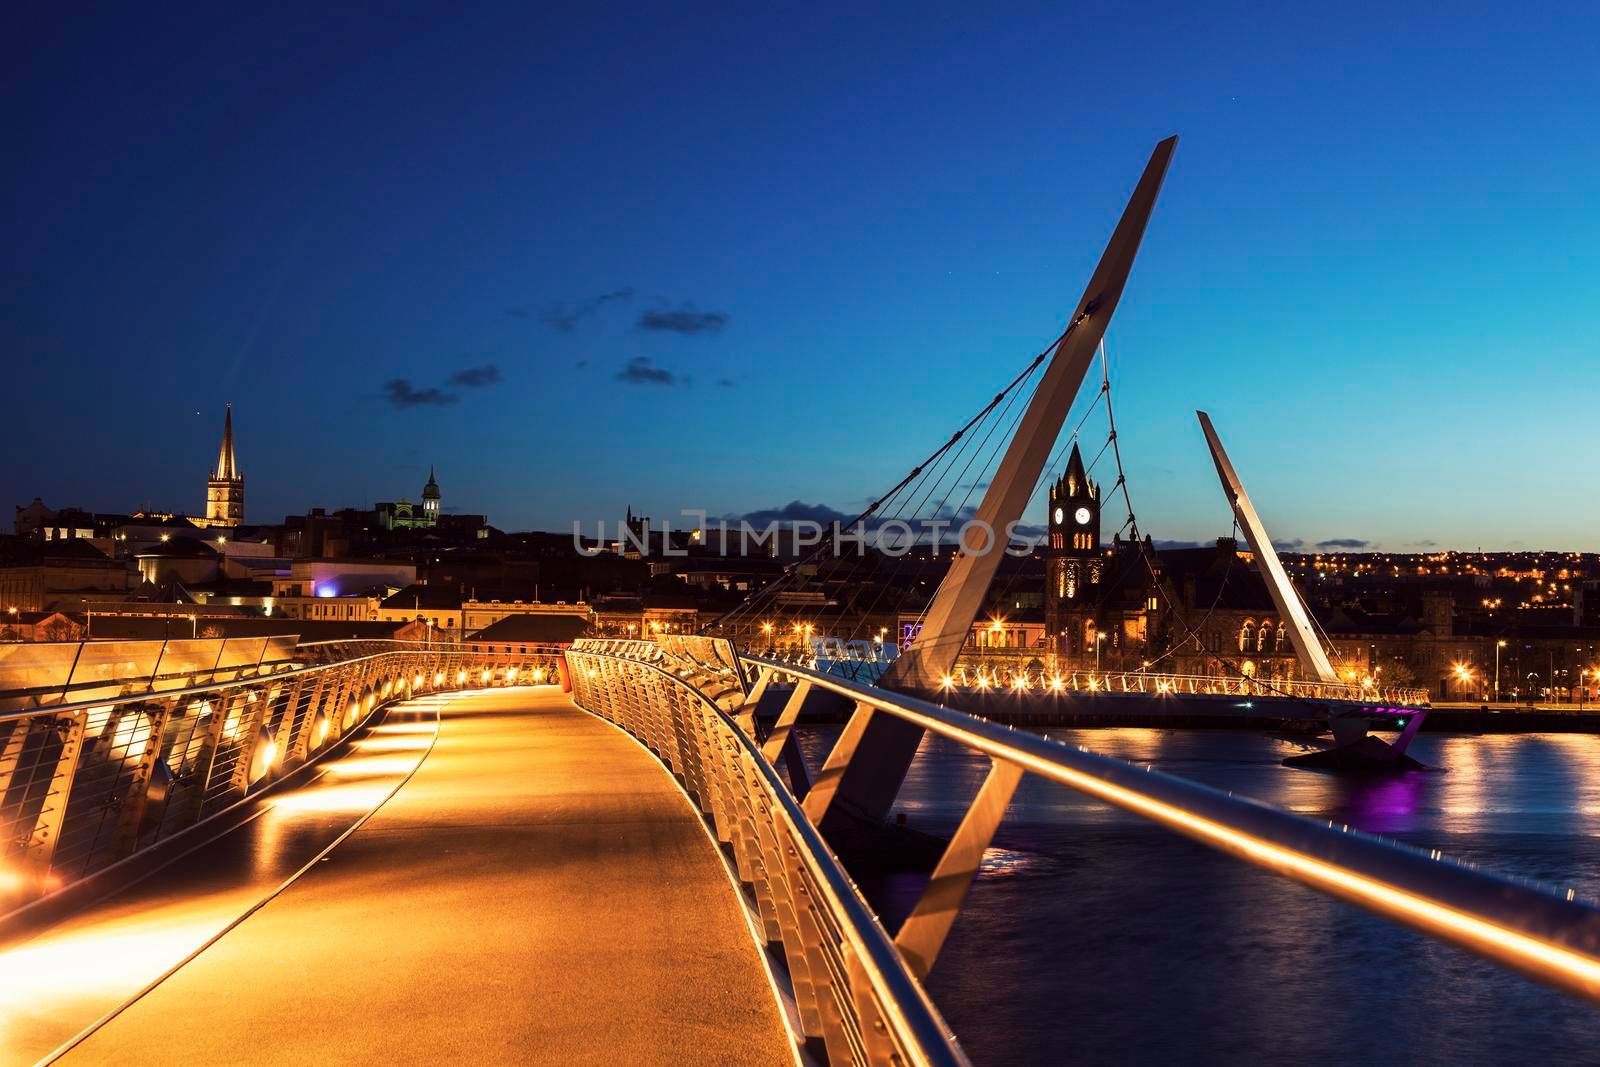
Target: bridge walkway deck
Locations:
point(540, 891)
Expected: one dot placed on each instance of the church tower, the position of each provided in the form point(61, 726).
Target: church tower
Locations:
point(1073, 563)
point(430, 500)
point(225, 489)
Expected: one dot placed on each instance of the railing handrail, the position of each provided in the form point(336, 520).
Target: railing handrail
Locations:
point(923, 1028)
point(88, 784)
point(1403, 696)
point(1522, 924)
point(144, 696)
point(425, 646)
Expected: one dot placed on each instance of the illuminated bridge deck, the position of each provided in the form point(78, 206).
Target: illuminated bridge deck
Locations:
point(539, 891)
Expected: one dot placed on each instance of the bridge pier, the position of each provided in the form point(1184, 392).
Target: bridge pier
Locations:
point(1355, 748)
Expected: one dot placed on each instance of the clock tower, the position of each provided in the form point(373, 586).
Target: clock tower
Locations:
point(1073, 562)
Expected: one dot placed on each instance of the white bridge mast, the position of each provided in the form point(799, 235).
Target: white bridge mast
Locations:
point(960, 596)
point(1313, 657)
point(867, 765)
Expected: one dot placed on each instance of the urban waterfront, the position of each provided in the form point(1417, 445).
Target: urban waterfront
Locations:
point(1093, 936)
point(628, 534)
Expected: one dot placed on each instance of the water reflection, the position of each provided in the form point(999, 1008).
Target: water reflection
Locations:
point(1093, 936)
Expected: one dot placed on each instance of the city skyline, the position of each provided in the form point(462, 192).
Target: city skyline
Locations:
point(943, 534)
point(1371, 263)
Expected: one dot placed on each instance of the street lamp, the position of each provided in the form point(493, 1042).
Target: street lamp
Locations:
point(1498, 645)
point(1099, 637)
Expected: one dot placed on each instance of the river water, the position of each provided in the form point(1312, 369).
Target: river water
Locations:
point(1092, 936)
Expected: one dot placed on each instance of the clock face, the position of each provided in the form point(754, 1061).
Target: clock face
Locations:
point(1061, 516)
point(1083, 516)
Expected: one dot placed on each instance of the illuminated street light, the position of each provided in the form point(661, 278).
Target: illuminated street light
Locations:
point(264, 755)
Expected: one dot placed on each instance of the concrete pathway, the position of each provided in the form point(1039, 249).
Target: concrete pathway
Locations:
point(540, 892)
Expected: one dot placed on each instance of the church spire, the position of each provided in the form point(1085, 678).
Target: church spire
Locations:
point(225, 488)
point(1074, 482)
point(227, 467)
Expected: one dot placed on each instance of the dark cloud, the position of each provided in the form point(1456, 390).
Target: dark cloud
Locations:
point(475, 377)
point(685, 321)
point(641, 371)
point(402, 394)
point(727, 383)
point(1344, 543)
point(1296, 545)
point(564, 318)
point(1163, 545)
point(793, 511)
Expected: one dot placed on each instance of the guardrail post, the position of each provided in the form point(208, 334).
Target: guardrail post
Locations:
point(40, 846)
point(11, 755)
point(198, 777)
point(250, 721)
point(746, 717)
point(302, 722)
point(924, 931)
point(130, 818)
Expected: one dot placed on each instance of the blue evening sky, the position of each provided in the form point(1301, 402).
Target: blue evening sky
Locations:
point(1376, 260)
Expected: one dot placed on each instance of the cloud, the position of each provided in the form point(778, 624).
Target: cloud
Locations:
point(1161, 545)
point(564, 318)
point(727, 383)
point(1343, 542)
point(793, 511)
point(474, 377)
point(1296, 545)
point(402, 394)
point(641, 371)
point(684, 321)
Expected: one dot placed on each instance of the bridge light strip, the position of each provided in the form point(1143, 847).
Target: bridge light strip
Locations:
point(1523, 950)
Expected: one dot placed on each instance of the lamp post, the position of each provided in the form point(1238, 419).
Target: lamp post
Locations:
point(1498, 645)
point(1099, 638)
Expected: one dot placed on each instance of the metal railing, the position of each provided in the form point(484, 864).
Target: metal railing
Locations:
point(862, 983)
point(852, 989)
point(1154, 683)
point(34, 674)
point(87, 784)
